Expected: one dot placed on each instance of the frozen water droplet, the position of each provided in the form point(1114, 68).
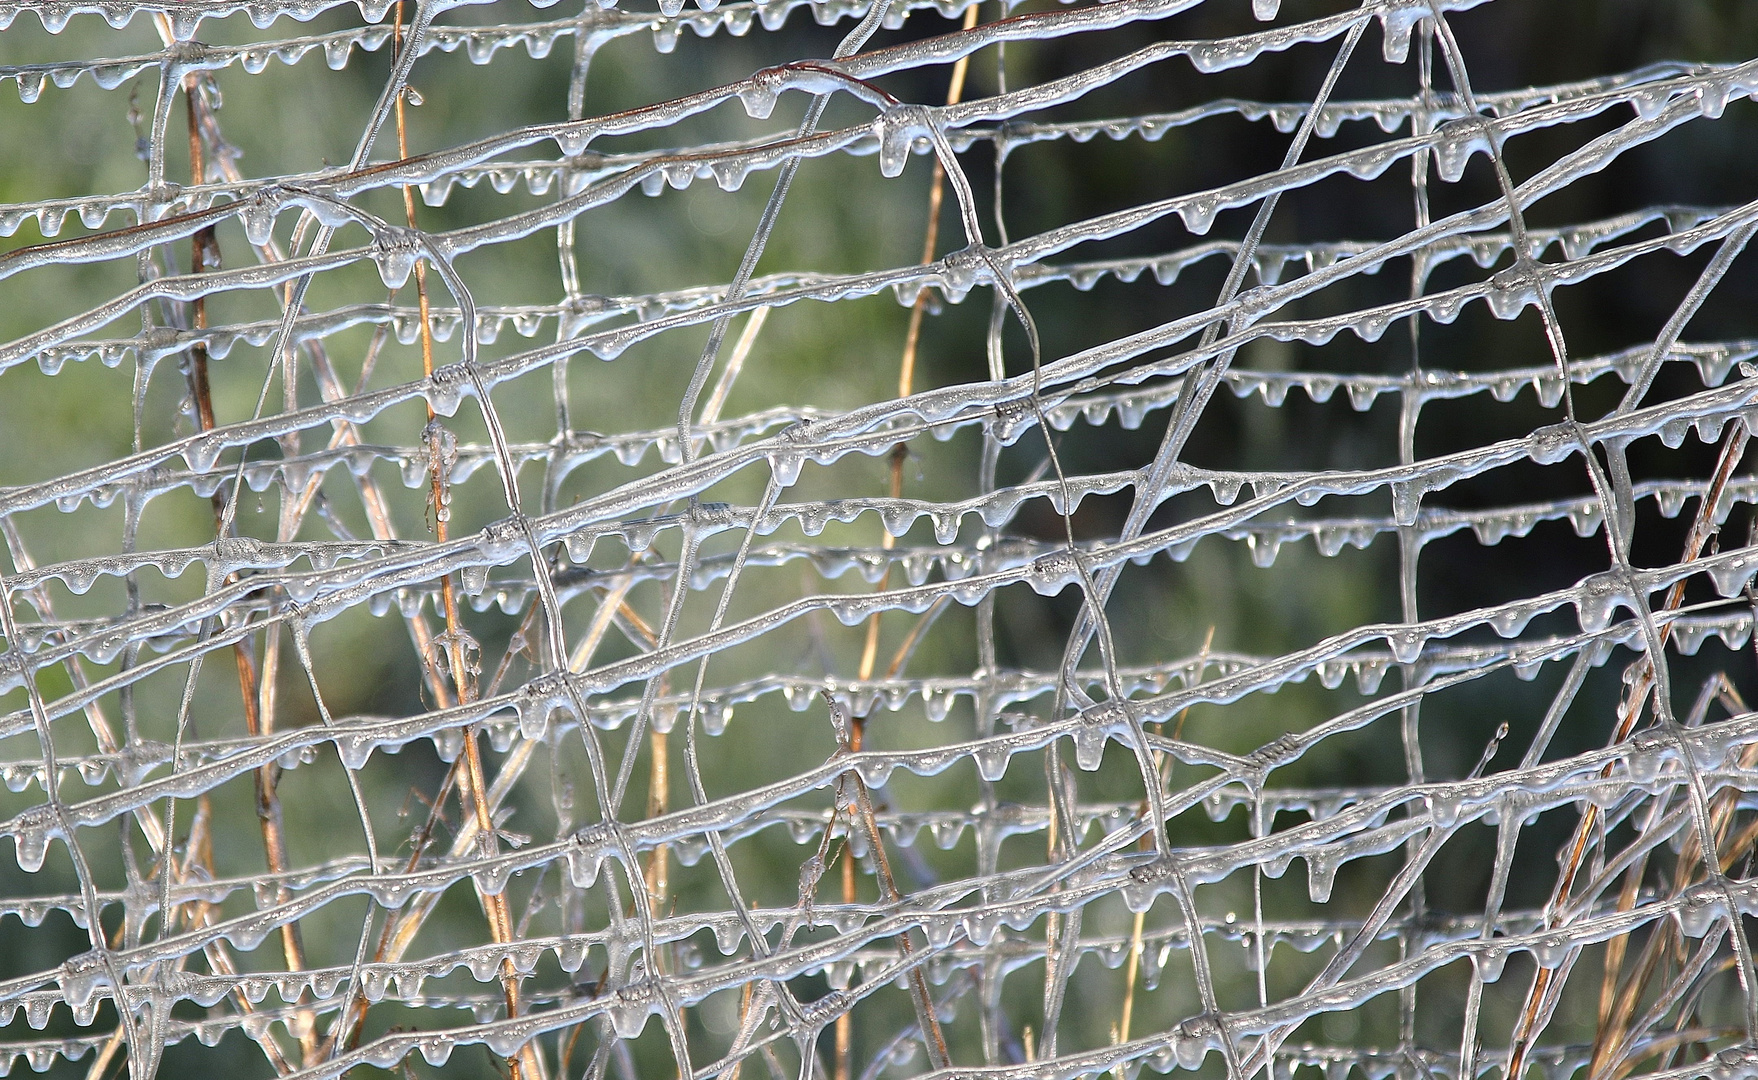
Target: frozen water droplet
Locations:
point(30, 86)
point(1089, 748)
point(787, 468)
point(1597, 601)
point(897, 130)
point(1406, 501)
point(31, 833)
point(1321, 875)
point(1406, 644)
point(1199, 215)
point(992, 763)
point(1731, 573)
point(436, 1049)
point(633, 1004)
point(395, 250)
point(586, 856)
point(473, 580)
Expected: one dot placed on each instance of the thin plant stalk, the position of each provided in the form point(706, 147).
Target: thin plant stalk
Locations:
point(906, 377)
point(475, 787)
point(1545, 987)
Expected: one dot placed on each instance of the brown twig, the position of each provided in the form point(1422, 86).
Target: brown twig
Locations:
point(474, 787)
point(205, 256)
point(906, 377)
point(399, 932)
point(1618, 1004)
point(932, 1037)
point(658, 802)
point(377, 509)
point(1542, 994)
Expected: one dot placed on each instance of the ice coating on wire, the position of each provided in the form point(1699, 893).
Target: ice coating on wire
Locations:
point(593, 615)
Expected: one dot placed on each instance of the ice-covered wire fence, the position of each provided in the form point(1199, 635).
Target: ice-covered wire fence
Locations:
point(371, 670)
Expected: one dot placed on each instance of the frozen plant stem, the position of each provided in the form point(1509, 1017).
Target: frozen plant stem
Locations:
point(473, 792)
point(205, 256)
point(906, 380)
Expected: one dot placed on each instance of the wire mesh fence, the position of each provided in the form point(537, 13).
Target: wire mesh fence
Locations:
point(530, 551)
